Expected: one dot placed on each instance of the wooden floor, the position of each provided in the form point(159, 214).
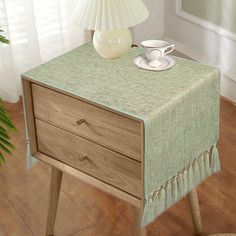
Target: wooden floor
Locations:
point(85, 211)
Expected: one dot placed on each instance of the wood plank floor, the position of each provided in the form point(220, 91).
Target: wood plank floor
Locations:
point(86, 211)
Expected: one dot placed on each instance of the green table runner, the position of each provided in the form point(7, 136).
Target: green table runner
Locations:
point(179, 107)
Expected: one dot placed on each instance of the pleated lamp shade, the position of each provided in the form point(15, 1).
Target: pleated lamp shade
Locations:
point(109, 14)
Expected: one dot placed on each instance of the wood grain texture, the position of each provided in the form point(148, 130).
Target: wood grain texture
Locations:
point(229, 101)
point(103, 127)
point(29, 198)
point(137, 216)
point(195, 212)
point(105, 165)
point(11, 224)
point(86, 211)
point(90, 231)
point(89, 179)
point(26, 192)
point(143, 162)
point(54, 193)
point(222, 235)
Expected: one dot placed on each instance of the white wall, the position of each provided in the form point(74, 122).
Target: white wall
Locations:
point(206, 45)
point(153, 27)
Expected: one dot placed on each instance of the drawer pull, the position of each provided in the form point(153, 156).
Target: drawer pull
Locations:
point(80, 122)
point(83, 157)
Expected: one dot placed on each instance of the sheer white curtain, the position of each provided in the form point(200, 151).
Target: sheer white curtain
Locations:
point(39, 30)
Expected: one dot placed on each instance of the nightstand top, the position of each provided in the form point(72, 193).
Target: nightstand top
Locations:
point(118, 84)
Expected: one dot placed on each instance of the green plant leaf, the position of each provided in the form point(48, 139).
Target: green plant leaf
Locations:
point(7, 117)
point(2, 129)
point(5, 149)
point(6, 121)
point(2, 110)
point(6, 143)
point(3, 133)
point(4, 40)
point(4, 114)
point(2, 159)
point(5, 125)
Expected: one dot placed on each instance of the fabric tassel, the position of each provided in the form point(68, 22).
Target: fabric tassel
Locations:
point(185, 182)
point(201, 166)
point(30, 160)
point(174, 187)
point(181, 184)
point(168, 190)
point(190, 177)
point(216, 166)
point(28, 156)
point(197, 173)
point(208, 169)
point(152, 208)
point(161, 200)
point(146, 216)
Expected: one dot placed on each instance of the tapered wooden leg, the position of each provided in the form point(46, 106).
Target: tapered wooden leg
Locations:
point(195, 212)
point(138, 231)
point(54, 193)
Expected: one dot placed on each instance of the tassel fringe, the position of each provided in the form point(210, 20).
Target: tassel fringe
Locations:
point(181, 184)
point(31, 161)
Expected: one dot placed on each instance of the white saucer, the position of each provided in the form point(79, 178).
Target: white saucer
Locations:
point(166, 63)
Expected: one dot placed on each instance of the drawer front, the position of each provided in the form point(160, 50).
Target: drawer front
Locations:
point(95, 160)
point(106, 128)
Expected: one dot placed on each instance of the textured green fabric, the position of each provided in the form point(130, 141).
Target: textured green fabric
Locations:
point(30, 160)
point(182, 183)
point(179, 107)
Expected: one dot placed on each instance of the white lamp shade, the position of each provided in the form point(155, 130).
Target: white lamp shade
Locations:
point(109, 14)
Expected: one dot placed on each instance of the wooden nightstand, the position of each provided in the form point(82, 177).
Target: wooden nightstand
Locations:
point(93, 143)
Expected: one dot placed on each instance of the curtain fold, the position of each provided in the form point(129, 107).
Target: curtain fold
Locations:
point(39, 30)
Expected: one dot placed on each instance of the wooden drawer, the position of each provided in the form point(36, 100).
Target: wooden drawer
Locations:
point(106, 128)
point(95, 160)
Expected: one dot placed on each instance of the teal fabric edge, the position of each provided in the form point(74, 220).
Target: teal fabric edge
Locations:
point(30, 160)
point(181, 184)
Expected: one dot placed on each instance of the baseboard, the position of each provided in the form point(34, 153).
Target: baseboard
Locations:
point(185, 50)
point(198, 57)
point(229, 101)
point(14, 107)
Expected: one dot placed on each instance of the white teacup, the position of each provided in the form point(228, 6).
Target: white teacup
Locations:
point(155, 50)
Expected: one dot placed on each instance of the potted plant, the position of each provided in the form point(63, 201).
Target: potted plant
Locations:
point(5, 122)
